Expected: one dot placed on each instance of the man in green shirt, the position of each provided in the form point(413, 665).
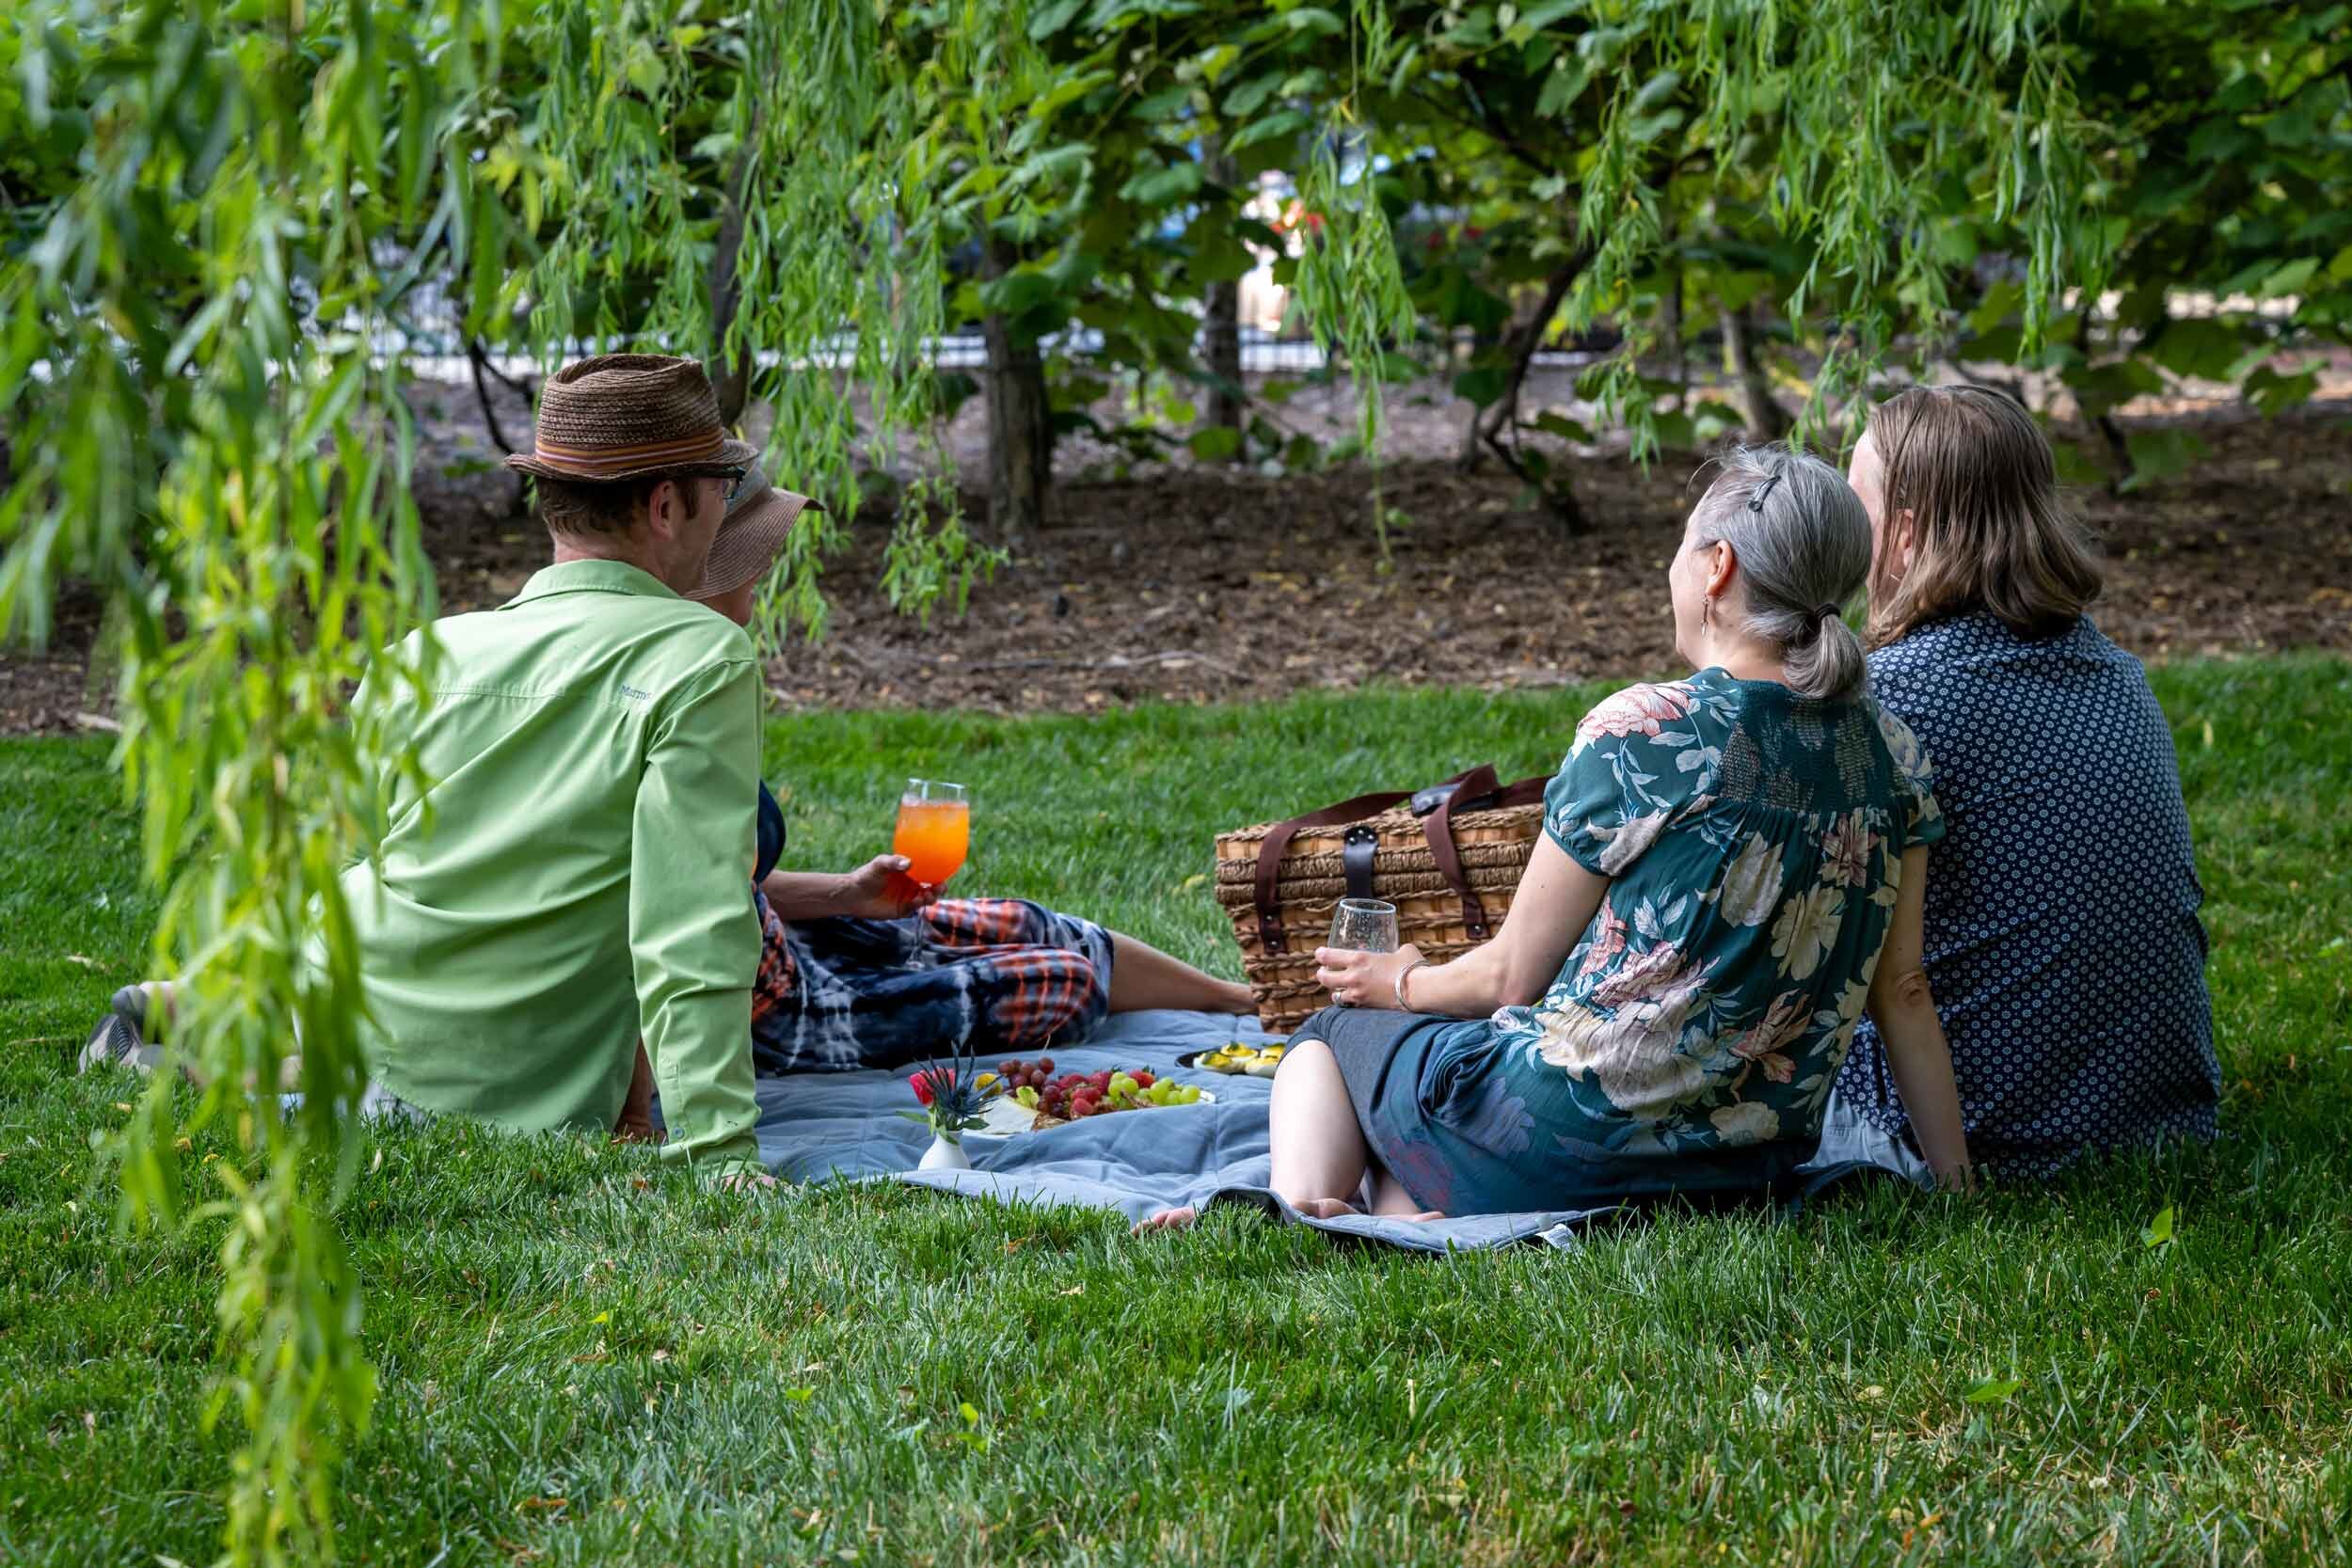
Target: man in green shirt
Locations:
point(575, 874)
point(568, 788)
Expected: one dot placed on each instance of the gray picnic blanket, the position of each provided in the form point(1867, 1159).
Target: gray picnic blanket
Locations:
point(834, 1126)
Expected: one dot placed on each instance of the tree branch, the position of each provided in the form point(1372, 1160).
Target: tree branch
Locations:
point(479, 358)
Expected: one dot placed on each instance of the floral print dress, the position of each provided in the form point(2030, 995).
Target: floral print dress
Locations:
point(1752, 839)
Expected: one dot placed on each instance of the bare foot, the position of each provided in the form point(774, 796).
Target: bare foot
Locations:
point(1168, 1219)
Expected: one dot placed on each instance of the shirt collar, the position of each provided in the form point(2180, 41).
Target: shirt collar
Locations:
point(592, 577)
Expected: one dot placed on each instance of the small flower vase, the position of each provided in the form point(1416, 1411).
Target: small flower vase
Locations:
point(945, 1153)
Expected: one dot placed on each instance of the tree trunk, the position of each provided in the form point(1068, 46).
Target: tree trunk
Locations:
point(1766, 420)
point(1497, 425)
point(1220, 343)
point(730, 374)
point(1520, 341)
point(1677, 352)
point(477, 355)
point(1221, 332)
point(1019, 419)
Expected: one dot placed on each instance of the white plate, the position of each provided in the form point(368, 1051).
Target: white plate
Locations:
point(1192, 1060)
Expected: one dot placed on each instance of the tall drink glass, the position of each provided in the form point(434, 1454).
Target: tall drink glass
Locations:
point(934, 830)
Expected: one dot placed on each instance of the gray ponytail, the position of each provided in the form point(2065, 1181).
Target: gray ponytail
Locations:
point(1803, 543)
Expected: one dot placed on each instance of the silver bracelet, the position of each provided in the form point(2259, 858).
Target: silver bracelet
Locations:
point(1403, 1005)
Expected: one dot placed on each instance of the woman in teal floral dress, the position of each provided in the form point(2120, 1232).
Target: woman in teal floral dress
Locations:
point(1731, 876)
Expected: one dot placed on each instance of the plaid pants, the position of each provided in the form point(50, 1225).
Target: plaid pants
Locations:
point(993, 974)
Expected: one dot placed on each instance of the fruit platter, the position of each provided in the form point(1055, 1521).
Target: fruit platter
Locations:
point(1257, 1061)
point(1031, 1096)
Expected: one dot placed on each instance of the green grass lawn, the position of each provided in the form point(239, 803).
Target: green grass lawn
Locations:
point(581, 1365)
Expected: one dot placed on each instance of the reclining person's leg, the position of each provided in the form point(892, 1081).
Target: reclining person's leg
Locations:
point(1143, 976)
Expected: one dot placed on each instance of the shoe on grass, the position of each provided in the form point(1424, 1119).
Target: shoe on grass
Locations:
point(120, 1037)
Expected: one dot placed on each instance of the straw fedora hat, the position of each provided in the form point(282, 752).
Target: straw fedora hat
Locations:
point(629, 415)
point(748, 540)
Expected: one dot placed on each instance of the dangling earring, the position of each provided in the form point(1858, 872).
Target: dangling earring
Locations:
point(1707, 603)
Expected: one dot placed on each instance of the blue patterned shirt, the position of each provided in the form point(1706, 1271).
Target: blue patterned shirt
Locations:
point(2064, 943)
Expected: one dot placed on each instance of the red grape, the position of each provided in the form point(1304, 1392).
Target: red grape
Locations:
point(1045, 1064)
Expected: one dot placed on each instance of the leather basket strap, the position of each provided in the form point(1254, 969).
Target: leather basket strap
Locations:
point(1437, 826)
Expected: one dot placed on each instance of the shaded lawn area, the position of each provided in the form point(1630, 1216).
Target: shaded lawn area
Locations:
point(579, 1366)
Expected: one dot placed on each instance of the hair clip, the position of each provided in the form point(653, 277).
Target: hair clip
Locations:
point(1756, 502)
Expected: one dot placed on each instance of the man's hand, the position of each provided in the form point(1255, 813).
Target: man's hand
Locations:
point(881, 890)
point(747, 1182)
point(636, 1123)
point(1362, 979)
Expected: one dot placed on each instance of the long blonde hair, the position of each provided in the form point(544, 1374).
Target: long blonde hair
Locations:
point(1989, 533)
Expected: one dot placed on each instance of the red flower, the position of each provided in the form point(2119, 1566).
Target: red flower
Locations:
point(922, 1085)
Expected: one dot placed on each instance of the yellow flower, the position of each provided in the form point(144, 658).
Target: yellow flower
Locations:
point(1808, 925)
point(1751, 882)
point(1744, 1122)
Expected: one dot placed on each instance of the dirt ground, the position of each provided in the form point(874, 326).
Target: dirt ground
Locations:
point(1213, 584)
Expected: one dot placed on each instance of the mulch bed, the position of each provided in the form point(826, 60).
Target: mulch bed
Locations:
point(1199, 585)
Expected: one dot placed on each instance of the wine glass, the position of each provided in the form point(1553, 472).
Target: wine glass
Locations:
point(934, 830)
point(1364, 926)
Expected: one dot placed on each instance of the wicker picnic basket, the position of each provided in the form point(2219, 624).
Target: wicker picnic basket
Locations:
point(1449, 858)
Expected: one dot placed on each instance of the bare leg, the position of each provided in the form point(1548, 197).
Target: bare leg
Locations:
point(1389, 1200)
point(1318, 1151)
point(1319, 1154)
point(1143, 976)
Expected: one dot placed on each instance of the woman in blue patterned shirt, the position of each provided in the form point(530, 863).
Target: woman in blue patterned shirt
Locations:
point(1730, 875)
point(2062, 939)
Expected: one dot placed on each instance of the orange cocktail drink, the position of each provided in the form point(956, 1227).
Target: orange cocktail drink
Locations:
point(934, 830)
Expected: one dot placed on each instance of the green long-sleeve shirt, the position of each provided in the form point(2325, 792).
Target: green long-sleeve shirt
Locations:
point(576, 875)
